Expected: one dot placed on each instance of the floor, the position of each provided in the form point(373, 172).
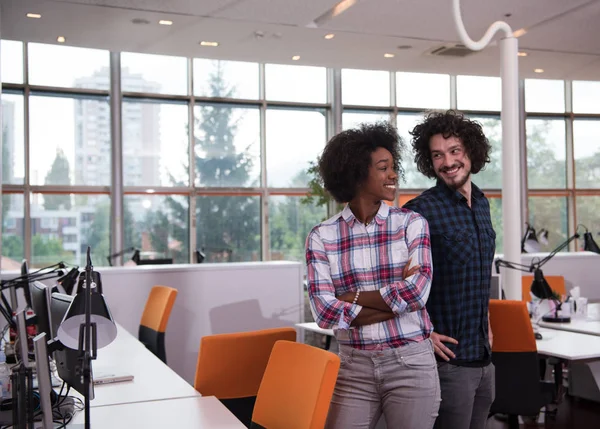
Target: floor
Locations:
point(572, 413)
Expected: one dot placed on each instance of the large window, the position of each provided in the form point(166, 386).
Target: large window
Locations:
point(290, 221)
point(11, 66)
point(155, 144)
point(215, 153)
point(228, 228)
point(153, 74)
point(13, 231)
point(479, 93)
point(227, 79)
point(13, 139)
point(546, 153)
point(69, 141)
point(543, 95)
point(296, 83)
point(423, 90)
point(491, 175)
point(291, 147)
point(63, 225)
point(549, 213)
point(66, 66)
point(352, 119)
point(226, 146)
point(365, 87)
point(586, 143)
point(586, 97)
point(157, 225)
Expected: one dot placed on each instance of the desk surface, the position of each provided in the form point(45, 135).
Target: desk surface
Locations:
point(153, 380)
point(589, 325)
point(568, 345)
point(555, 343)
point(313, 327)
point(198, 413)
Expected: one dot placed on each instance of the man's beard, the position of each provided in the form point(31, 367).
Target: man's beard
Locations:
point(455, 185)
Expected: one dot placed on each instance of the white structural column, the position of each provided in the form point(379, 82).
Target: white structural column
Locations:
point(511, 192)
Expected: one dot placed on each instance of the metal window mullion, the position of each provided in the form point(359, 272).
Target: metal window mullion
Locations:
point(453, 92)
point(117, 236)
point(192, 162)
point(572, 220)
point(523, 146)
point(27, 247)
point(265, 244)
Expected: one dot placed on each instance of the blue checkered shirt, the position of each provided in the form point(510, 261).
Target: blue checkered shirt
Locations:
point(463, 243)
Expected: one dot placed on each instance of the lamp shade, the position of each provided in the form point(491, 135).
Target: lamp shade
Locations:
point(540, 287)
point(106, 329)
point(530, 241)
point(589, 244)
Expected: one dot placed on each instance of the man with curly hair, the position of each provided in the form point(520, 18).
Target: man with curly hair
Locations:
point(452, 148)
point(369, 274)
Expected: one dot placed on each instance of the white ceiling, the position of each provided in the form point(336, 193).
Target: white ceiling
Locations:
point(563, 36)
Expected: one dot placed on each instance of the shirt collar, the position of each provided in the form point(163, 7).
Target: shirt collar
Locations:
point(380, 217)
point(476, 193)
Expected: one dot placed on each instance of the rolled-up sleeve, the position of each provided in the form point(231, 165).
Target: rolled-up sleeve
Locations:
point(411, 294)
point(329, 312)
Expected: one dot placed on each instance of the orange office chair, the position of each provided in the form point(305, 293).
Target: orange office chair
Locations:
point(231, 367)
point(557, 284)
point(296, 389)
point(155, 318)
point(519, 390)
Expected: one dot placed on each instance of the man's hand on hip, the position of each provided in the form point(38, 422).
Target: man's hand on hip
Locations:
point(440, 349)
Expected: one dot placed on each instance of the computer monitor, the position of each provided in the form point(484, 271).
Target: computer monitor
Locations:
point(496, 288)
point(40, 303)
point(67, 360)
point(160, 261)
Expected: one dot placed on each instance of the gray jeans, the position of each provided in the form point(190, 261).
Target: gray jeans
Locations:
point(467, 395)
point(402, 383)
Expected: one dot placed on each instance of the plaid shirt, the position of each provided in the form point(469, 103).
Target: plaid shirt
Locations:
point(463, 244)
point(344, 255)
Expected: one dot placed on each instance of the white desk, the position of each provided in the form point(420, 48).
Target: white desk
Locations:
point(566, 345)
point(589, 325)
point(313, 327)
point(193, 413)
point(153, 380)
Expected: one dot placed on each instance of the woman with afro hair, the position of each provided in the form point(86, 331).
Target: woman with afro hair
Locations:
point(369, 274)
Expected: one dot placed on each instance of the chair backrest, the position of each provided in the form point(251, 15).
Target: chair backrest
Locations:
point(155, 318)
point(296, 388)
point(556, 283)
point(232, 365)
point(514, 355)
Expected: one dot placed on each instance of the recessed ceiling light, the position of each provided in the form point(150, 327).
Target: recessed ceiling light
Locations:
point(207, 43)
point(519, 32)
point(296, 57)
point(34, 15)
point(165, 22)
point(329, 36)
point(522, 54)
point(539, 70)
point(61, 39)
point(389, 55)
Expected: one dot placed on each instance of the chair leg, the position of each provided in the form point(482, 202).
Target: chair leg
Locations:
point(513, 421)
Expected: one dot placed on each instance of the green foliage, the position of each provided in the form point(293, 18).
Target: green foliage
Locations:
point(59, 174)
point(46, 250)
point(227, 228)
point(12, 247)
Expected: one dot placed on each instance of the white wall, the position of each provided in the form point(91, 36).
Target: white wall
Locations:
point(212, 299)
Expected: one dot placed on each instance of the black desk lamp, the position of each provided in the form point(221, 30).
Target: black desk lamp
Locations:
point(86, 327)
point(540, 287)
